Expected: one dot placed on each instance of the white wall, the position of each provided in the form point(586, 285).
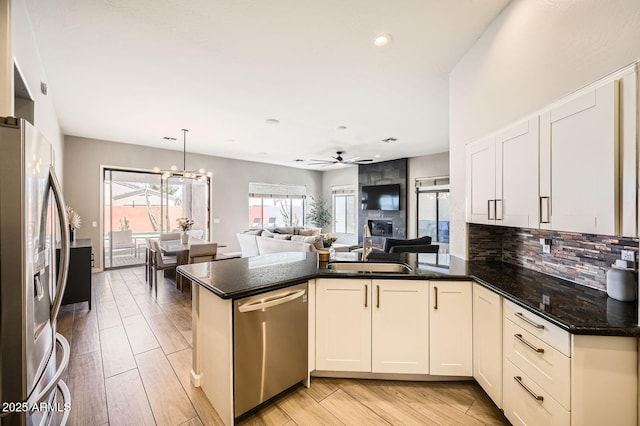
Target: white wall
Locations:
point(344, 176)
point(27, 58)
point(230, 183)
point(420, 167)
point(533, 53)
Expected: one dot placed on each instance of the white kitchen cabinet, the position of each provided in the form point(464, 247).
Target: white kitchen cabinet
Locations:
point(400, 327)
point(343, 325)
point(516, 193)
point(487, 341)
point(502, 177)
point(480, 181)
point(380, 326)
point(579, 182)
point(450, 328)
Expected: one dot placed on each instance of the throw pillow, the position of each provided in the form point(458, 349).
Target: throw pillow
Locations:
point(267, 234)
point(253, 232)
point(315, 240)
point(282, 236)
point(284, 230)
point(309, 232)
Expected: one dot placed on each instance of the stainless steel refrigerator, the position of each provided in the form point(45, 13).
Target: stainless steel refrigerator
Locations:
point(32, 221)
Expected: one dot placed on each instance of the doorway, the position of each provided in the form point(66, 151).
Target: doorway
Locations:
point(140, 205)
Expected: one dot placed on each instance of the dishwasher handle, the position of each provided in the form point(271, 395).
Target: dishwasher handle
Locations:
point(264, 304)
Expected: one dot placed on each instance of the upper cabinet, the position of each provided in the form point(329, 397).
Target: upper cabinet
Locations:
point(572, 167)
point(502, 177)
point(481, 180)
point(579, 163)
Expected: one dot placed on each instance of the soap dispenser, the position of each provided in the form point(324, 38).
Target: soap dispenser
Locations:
point(621, 281)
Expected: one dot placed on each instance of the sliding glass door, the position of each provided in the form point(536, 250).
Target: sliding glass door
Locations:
point(139, 205)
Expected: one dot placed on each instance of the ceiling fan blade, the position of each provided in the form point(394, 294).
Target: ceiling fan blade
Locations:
point(363, 161)
point(324, 161)
point(351, 159)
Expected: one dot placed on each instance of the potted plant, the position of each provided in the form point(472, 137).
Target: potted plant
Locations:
point(74, 222)
point(319, 213)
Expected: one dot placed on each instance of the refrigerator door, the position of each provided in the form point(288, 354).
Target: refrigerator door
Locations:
point(32, 215)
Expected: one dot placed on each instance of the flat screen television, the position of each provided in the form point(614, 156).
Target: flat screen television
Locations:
point(381, 197)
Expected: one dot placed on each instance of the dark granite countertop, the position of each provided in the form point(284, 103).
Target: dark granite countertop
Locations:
point(575, 308)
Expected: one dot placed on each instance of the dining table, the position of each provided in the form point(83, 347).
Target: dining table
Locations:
point(181, 252)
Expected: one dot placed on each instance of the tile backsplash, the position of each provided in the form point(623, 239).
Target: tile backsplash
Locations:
point(581, 258)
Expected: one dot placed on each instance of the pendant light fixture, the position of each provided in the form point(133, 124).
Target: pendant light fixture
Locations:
point(184, 173)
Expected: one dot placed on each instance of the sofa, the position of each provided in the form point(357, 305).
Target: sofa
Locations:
point(256, 242)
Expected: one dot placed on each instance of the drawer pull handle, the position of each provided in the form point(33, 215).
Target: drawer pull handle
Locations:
point(528, 321)
point(529, 391)
point(529, 345)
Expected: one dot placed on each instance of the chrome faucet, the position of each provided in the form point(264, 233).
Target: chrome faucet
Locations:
point(367, 244)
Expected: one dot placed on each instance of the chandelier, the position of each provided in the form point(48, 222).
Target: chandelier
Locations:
point(199, 175)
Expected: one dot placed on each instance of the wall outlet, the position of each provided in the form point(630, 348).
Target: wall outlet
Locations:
point(94, 224)
point(546, 248)
point(628, 255)
point(546, 300)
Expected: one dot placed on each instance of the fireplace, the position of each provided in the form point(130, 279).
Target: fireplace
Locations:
point(381, 228)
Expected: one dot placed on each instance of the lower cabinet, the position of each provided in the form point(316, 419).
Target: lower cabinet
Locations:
point(343, 325)
point(378, 326)
point(390, 326)
point(557, 378)
point(487, 341)
point(450, 328)
point(400, 327)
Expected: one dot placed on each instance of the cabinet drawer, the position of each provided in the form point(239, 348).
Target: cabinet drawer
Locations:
point(549, 333)
point(549, 368)
point(526, 403)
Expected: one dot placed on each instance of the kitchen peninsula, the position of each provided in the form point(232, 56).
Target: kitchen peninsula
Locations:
point(584, 345)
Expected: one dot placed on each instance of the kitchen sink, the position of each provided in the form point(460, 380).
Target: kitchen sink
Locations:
point(397, 268)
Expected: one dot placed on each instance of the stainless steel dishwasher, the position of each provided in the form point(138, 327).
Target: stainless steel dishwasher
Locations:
point(270, 345)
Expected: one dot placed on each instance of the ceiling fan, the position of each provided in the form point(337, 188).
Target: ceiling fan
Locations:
point(338, 159)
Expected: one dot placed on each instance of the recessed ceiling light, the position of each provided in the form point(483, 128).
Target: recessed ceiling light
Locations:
point(230, 140)
point(167, 138)
point(298, 160)
point(272, 121)
point(341, 128)
point(390, 139)
point(376, 156)
point(382, 40)
point(262, 153)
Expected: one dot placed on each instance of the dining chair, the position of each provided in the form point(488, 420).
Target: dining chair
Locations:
point(199, 253)
point(148, 260)
point(168, 236)
point(160, 262)
point(202, 252)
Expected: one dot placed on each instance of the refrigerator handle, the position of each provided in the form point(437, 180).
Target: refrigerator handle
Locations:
point(248, 307)
point(66, 399)
point(64, 251)
point(44, 393)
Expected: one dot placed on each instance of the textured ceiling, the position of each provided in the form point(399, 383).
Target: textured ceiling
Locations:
point(134, 71)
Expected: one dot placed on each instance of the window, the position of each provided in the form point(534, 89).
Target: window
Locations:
point(276, 205)
point(344, 209)
point(433, 208)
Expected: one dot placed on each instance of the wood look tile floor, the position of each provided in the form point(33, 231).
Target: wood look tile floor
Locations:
point(131, 359)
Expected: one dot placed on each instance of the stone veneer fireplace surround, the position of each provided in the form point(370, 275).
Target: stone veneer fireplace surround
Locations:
point(384, 173)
